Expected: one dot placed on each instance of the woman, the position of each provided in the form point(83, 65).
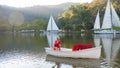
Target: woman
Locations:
point(57, 44)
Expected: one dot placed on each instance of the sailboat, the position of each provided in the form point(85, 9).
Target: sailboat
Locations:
point(97, 22)
point(110, 19)
point(52, 25)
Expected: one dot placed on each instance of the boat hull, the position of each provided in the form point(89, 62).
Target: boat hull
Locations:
point(94, 53)
point(105, 32)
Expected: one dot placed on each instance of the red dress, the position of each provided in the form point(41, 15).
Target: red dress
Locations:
point(57, 44)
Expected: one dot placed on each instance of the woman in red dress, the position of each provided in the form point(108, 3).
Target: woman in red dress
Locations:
point(57, 44)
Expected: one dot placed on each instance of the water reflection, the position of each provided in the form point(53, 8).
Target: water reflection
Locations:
point(21, 59)
point(51, 38)
point(56, 65)
point(22, 50)
point(111, 46)
point(26, 50)
point(73, 63)
point(27, 34)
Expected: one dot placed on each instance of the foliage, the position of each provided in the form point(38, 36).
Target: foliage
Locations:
point(37, 24)
point(77, 16)
point(116, 28)
point(83, 16)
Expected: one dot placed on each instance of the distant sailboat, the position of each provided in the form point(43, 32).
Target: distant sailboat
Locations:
point(110, 19)
point(52, 25)
point(97, 22)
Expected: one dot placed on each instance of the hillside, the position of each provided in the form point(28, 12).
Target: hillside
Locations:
point(31, 13)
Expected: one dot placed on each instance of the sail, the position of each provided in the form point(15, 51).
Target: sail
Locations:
point(51, 24)
point(115, 18)
point(107, 17)
point(97, 22)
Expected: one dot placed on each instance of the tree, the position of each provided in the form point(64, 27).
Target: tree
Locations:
point(39, 24)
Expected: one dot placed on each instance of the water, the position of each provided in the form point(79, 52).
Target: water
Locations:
point(26, 50)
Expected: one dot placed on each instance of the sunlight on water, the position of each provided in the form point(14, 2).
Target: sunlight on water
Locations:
point(17, 59)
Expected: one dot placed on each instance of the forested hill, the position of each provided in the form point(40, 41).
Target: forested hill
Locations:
point(83, 15)
point(46, 11)
point(31, 13)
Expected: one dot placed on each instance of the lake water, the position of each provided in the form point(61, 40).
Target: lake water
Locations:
point(26, 50)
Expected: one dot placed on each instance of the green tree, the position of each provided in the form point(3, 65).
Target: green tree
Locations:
point(39, 24)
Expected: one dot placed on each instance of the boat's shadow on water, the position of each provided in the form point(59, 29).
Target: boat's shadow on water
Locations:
point(85, 63)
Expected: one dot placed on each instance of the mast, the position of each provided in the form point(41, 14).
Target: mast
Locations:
point(111, 12)
point(51, 23)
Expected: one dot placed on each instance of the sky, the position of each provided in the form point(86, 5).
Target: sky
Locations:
point(29, 3)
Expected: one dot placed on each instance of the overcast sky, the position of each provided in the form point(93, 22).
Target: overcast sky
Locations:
point(28, 3)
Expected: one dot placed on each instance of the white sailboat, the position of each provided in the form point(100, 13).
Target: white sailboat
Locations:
point(52, 25)
point(110, 19)
point(97, 22)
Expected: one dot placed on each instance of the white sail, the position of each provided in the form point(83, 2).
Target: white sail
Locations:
point(107, 17)
point(115, 18)
point(97, 22)
point(52, 25)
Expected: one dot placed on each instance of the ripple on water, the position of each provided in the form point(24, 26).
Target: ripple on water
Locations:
point(17, 59)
